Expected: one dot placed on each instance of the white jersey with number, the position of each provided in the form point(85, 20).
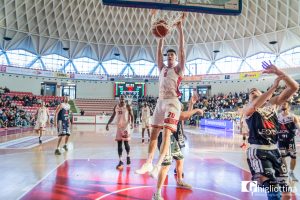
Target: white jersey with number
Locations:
point(145, 113)
point(122, 116)
point(42, 115)
point(169, 81)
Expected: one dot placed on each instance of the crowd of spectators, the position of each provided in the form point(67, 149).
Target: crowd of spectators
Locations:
point(13, 109)
point(221, 106)
point(151, 102)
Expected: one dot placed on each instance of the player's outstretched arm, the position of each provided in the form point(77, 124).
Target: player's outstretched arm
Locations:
point(58, 108)
point(297, 123)
point(111, 118)
point(185, 115)
point(181, 52)
point(160, 58)
point(262, 99)
point(291, 85)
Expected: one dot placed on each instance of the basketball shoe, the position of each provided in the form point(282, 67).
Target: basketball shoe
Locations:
point(147, 167)
point(128, 160)
point(120, 165)
point(154, 172)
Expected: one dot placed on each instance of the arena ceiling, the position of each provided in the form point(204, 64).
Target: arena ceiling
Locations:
point(89, 29)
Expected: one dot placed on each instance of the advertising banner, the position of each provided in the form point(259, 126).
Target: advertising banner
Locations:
point(84, 119)
point(89, 77)
point(224, 124)
point(61, 75)
point(102, 119)
point(29, 72)
point(249, 75)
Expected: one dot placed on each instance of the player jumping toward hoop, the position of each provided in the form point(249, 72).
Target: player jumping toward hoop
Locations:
point(124, 118)
point(168, 107)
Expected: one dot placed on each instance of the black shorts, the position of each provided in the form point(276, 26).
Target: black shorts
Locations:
point(287, 147)
point(267, 163)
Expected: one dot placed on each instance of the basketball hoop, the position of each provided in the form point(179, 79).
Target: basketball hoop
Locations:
point(164, 21)
point(131, 96)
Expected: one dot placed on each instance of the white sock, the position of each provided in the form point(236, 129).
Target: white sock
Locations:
point(158, 192)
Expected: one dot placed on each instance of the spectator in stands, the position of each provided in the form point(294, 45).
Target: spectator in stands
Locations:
point(82, 112)
point(6, 90)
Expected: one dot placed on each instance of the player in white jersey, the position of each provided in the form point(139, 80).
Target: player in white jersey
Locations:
point(289, 124)
point(124, 118)
point(42, 118)
point(167, 110)
point(145, 117)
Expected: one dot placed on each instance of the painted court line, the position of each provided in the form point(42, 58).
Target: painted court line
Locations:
point(140, 187)
point(26, 142)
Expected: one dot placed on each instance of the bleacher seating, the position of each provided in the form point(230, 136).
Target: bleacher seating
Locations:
point(32, 109)
point(96, 106)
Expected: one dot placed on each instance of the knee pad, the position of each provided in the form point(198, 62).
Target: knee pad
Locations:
point(127, 147)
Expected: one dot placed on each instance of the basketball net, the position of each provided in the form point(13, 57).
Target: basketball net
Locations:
point(130, 96)
point(171, 17)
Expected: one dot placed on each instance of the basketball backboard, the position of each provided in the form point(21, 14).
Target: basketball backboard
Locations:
point(219, 7)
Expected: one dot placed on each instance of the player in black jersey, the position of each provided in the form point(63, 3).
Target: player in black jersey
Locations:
point(289, 124)
point(62, 122)
point(177, 143)
point(263, 155)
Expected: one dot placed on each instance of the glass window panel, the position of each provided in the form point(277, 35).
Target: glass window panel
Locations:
point(214, 70)
point(54, 62)
point(229, 64)
point(292, 57)
point(256, 60)
point(199, 66)
point(114, 67)
point(20, 58)
point(84, 65)
point(3, 60)
point(69, 68)
point(141, 67)
point(37, 65)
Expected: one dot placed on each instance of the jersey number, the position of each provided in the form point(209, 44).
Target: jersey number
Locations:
point(120, 112)
point(171, 115)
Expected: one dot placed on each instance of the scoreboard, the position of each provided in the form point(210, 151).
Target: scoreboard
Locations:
point(137, 89)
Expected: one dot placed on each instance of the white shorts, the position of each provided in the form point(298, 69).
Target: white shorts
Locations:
point(40, 125)
point(166, 114)
point(123, 134)
point(145, 123)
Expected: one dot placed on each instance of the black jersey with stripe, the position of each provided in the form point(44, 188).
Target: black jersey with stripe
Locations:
point(263, 126)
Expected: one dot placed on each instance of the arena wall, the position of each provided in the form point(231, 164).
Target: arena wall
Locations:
point(104, 89)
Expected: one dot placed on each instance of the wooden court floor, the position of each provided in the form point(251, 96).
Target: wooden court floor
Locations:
point(215, 166)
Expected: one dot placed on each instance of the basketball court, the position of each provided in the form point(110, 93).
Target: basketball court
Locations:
point(215, 166)
point(94, 51)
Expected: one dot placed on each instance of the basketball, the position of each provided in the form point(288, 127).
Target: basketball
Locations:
point(160, 29)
